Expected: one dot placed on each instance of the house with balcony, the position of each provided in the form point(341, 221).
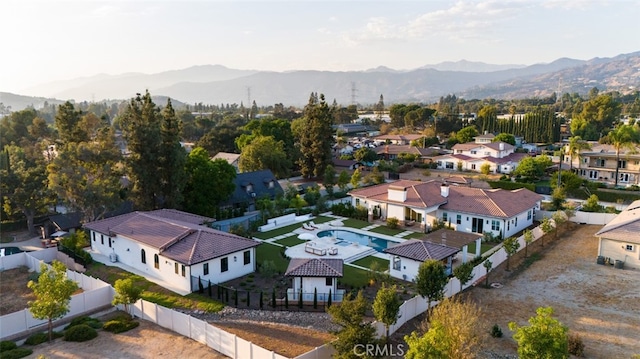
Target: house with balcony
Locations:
point(465, 209)
point(172, 248)
point(599, 163)
point(470, 156)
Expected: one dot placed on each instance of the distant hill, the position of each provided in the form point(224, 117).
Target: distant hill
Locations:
point(216, 84)
point(20, 102)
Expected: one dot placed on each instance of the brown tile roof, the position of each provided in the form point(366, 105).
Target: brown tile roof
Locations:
point(173, 214)
point(314, 267)
point(184, 241)
point(492, 202)
point(398, 149)
point(625, 226)
point(451, 238)
point(421, 251)
point(493, 145)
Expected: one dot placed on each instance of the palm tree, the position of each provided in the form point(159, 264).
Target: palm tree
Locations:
point(576, 144)
point(624, 136)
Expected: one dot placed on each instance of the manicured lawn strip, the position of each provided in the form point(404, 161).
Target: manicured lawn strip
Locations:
point(354, 277)
point(290, 228)
point(355, 223)
point(366, 262)
point(484, 247)
point(414, 235)
point(153, 292)
point(270, 252)
point(290, 241)
point(386, 230)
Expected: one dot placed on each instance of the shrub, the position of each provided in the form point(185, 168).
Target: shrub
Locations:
point(92, 322)
point(80, 333)
point(576, 346)
point(7, 345)
point(392, 222)
point(16, 353)
point(120, 325)
point(42, 337)
point(496, 332)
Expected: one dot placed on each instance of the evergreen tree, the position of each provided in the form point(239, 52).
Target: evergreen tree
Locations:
point(68, 124)
point(172, 159)
point(141, 129)
point(315, 137)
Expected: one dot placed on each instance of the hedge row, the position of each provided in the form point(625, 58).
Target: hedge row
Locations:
point(512, 185)
point(605, 196)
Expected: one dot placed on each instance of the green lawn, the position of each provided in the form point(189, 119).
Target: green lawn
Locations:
point(271, 252)
point(484, 247)
point(367, 262)
point(290, 241)
point(414, 235)
point(386, 230)
point(354, 277)
point(355, 223)
point(290, 228)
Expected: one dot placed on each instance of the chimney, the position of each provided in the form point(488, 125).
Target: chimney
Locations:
point(444, 190)
point(444, 238)
point(485, 132)
point(501, 146)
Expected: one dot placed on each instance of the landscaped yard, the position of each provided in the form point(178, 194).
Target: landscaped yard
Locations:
point(386, 230)
point(354, 277)
point(290, 241)
point(484, 247)
point(368, 262)
point(271, 252)
point(290, 228)
point(355, 223)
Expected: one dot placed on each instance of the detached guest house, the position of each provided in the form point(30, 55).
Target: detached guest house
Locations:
point(172, 247)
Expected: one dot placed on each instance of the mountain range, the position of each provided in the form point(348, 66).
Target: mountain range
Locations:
point(217, 84)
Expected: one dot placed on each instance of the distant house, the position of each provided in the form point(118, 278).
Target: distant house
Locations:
point(619, 239)
point(59, 225)
point(472, 210)
point(232, 158)
point(172, 247)
point(310, 275)
point(484, 138)
point(341, 165)
point(398, 139)
point(471, 156)
point(390, 152)
point(599, 164)
point(251, 186)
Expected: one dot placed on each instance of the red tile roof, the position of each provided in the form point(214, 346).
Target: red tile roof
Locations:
point(177, 235)
point(314, 267)
point(419, 194)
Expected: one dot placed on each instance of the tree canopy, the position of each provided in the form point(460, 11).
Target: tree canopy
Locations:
point(544, 338)
point(315, 137)
point(208, 183)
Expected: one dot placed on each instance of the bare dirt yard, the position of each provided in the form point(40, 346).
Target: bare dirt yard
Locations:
point(597, 302)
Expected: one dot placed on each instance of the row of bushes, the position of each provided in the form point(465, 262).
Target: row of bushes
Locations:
point(605, 195)
point(80, 329)
point(508, 185)
point(348, 210)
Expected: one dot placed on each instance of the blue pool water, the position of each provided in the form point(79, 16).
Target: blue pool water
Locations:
point(345, 238)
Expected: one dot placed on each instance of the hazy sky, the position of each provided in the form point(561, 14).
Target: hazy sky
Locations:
point(43, 41)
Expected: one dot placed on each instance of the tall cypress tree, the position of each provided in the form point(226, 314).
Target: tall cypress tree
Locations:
point(316, 138)
point(141, 129)
point(172, 159)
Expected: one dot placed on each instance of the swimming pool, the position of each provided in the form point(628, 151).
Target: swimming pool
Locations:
point(345, 238)
point(6, 251)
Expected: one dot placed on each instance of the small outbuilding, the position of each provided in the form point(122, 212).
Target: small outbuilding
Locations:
point(315, 276)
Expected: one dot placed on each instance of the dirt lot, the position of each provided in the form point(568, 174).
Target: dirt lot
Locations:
point(600, 303)
point(14, 293)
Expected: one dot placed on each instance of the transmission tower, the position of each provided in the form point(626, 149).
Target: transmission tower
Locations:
point(248, 96)
point(354, 90)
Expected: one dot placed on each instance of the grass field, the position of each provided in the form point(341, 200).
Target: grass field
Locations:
point(367, 262)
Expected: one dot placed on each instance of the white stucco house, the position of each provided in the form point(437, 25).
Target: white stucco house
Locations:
point(471, 156)
point(473, 210)
point(619, 239)
point(406, 257)
point(311, 275)
point(173, 247)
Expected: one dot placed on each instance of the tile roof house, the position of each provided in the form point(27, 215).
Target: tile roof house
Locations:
point(406, 257)
point(172, 247)
point(398, 139)
point(599, 164)
point(315, 275)
point(251, 186)
point(232, 158)
point(473, 210)
point(471, 156)
point(619, 240)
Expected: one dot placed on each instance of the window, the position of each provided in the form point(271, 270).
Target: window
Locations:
point(101, 239)
point(473, 152)
point(93, 234)
point(529, 215)
point(449, 165)
point(357, 202)
point(329, 281)
point(109, 242)
point(600, 162)
point(629, 247)
point(444, 216)
point(516, 222)
point(439, 163)
point(183, 270)
point(487, 153)
point(205, 268)
point(473, 166)
point(458, 219)
point(622, 164)
point(156, 261)
point(624, 177)
point(495, 225)
point(593, 174)
point(224, 264)
point(396, 263)
point(247, 257)
point(175, 267)
point(143, 256)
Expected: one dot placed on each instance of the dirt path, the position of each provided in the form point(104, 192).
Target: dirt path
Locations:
point(600, 303)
